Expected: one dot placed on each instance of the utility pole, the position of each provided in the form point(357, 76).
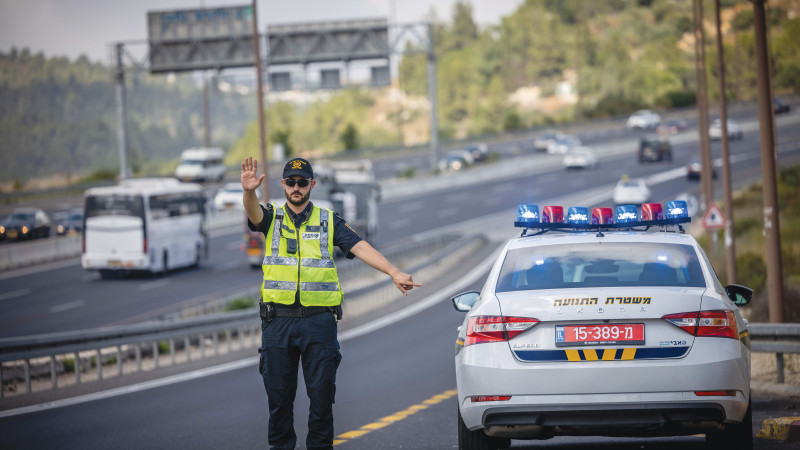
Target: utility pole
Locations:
point(730, 246)
point(206, 113)
point(769, 162)
point(122, 123)
point(262, 145)
point(578, 61)
point(432, 94)
point(702, 106)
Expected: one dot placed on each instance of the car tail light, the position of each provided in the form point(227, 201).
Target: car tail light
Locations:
point(706, 323)
point(725, 393)
point(496, 328)
point(490, 398)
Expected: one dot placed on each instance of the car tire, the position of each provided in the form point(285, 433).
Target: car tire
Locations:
point(478, 440)
point(739, 436)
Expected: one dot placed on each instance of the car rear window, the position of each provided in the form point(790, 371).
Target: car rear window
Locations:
point(600, 265)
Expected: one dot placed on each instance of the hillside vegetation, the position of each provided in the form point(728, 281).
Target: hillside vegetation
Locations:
point(547, 62)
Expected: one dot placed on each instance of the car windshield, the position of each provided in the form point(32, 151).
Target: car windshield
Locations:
point(234, 188)
point(76, 216)
point(192, 162)
point(629, 184)
point(619, 264)
point(21, 216)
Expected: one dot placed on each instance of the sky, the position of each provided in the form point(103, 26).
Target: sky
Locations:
point(72, 27)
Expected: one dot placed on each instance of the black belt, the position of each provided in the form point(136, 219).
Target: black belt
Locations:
point(270, 310)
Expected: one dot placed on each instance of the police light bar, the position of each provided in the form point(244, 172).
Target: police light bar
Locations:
point(602, 216)
point(528, 213)
point(652, 211)
point(553, 214)
point(577, 215)
point(627, 214)
point(578, 218)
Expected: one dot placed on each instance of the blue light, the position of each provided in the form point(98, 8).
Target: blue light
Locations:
point(528, 213)
point(677, 209)
point(627, 214)
point(577, 215)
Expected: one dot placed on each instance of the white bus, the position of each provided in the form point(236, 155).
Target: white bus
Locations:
point(148, 225)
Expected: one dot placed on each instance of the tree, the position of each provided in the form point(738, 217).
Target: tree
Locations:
point(349, 137)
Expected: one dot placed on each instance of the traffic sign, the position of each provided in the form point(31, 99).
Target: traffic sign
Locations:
point(713, 217)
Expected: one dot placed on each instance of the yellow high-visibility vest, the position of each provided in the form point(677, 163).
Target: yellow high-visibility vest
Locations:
point(310, 270)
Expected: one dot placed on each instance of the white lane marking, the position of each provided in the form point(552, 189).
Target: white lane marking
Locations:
point(66, 306)
point(447, 212)
point(399, 223)
point(15, 294)
point(408, 207)
point(418, 307)
point(153, 285)
point(227, 266)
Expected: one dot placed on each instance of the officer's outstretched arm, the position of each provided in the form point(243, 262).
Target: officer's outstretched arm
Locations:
point(369, 255)
point(250, 182)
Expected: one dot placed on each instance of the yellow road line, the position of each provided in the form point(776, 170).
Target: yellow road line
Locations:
point(396, 417)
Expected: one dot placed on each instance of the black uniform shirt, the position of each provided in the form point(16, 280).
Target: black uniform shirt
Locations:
point(343, 236)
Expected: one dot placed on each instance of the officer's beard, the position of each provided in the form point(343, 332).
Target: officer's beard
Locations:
point(292, 198)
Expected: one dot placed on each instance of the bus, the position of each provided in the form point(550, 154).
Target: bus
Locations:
point(144, 225)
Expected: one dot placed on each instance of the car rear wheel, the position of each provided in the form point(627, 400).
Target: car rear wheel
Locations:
point(478, 440)
point(739, 436)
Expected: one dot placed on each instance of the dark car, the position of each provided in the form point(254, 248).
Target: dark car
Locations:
point(694, 169)
point(479, 151)
point(25, 223)
point(780, 106)
point(654, 148)
point(72, 225)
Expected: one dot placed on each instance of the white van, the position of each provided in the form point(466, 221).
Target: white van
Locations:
point(201, 164)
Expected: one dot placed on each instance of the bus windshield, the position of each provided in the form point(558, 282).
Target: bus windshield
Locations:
point(114, 205)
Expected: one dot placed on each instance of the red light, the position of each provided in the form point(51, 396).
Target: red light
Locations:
point(495, 328)
point(602, 216)
point(652, 211)
point(490, 398)
point(553, 214)
point(706, 323)
point(728, 393)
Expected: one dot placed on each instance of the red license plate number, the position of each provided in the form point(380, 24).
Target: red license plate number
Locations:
point(605, 334)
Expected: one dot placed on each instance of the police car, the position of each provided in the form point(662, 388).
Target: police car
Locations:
point(610, 324)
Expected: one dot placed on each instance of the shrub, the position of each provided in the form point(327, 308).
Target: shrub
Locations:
point(239, 304)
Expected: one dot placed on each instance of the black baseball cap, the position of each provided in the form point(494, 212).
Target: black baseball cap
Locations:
point(298, 166)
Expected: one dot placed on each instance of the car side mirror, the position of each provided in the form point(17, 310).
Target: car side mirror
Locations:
point(463, 302)
point(740, 295)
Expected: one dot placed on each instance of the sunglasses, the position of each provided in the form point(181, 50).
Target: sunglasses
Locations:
point(302, 182)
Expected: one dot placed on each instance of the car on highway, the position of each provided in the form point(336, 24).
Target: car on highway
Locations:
point(545, 139)
point(563, 143)
point(631, 191)
point(455, 160)
point(694, 169)
point(654, 148)
point(479, 151)
point(734, 130)
point(72, 225)
point(644, 119)
point(230, 197)
point(596, 327)
point(25, 224)
point(580, 158)
point(780, 106)
point(674, 126)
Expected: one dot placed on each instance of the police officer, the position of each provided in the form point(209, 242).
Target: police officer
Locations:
point(301, 299)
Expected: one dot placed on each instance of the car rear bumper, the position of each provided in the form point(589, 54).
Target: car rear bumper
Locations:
point(115, 262)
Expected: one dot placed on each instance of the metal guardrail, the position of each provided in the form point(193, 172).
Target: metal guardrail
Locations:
point(778, 338)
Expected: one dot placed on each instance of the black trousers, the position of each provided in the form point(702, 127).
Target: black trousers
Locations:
point(286, 341)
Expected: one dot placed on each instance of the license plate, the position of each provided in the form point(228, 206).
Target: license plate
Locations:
point(13, 234)
point(115, 263)
point(600, 334)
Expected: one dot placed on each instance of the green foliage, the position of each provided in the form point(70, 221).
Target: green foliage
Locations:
point(678, 99)
point(282, 136)
point(408, 172)
point(239, 304)
point(349, 137)
point(512, 121)
point(751, 271)
point(163, 347)
point(100, 175)
point(69, 365)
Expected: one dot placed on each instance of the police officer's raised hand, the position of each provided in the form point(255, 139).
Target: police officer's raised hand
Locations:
point(404, 282)
point(250, 178)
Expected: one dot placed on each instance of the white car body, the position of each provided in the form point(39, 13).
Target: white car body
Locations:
point(715, 130)
point(580, 158)
point(230, 197)
point(563, 143)
point(540, 382)
point(632, 191)
point(201, 164)
point(643, 119)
